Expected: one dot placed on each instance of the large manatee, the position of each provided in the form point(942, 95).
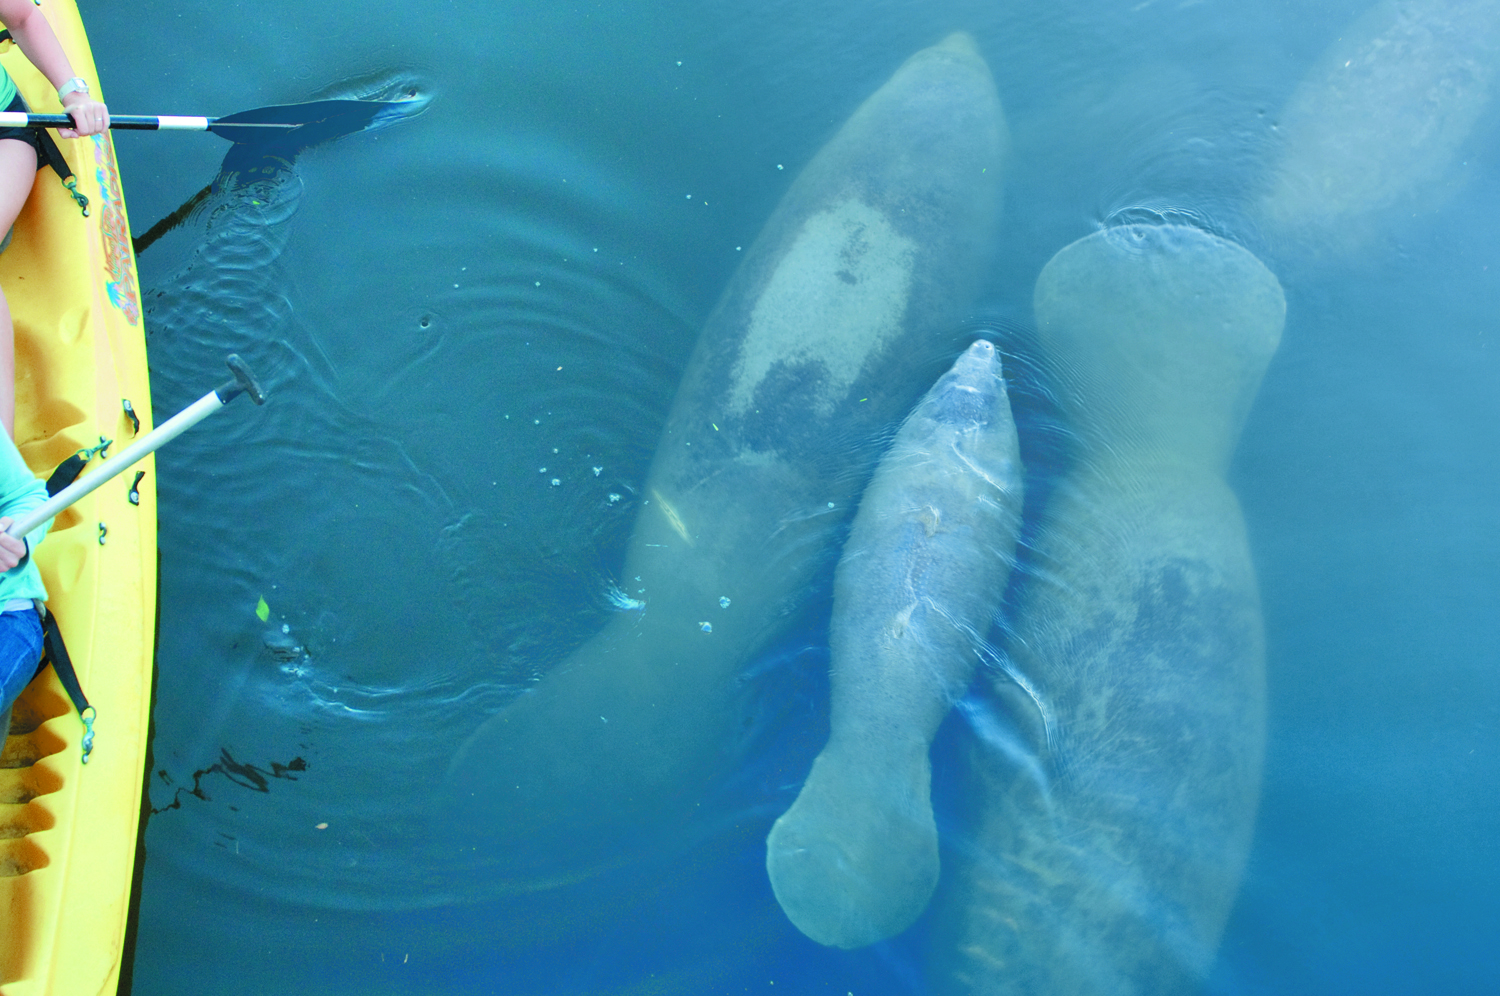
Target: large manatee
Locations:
point(1378, 122)
point(817, 346)
point(1105, 857)
point(855, 859)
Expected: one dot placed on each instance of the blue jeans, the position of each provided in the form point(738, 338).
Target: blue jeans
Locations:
point(20, 650)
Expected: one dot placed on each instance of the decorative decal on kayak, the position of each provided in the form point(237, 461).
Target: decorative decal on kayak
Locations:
point(119, 260)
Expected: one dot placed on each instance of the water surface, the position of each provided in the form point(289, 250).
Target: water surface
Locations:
point(472, 325)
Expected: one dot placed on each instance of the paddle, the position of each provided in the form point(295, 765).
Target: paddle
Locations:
point(283, 131)
point(246, 126)
point(244, 383)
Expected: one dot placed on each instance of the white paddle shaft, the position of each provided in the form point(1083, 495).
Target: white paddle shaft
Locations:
point(121, 462)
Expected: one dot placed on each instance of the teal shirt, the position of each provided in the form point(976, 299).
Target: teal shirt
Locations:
point(20, 492)
point(7, 89)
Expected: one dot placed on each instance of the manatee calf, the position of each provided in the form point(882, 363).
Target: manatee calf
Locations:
point(872, 255)
point(1108, 864)
point(855, 859)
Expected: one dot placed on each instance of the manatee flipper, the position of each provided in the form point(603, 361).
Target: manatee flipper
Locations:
point(855, 859)
point(874, 252)
point(1378, 122)
point(1113, 871)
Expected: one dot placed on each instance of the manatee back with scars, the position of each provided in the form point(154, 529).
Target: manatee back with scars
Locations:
point(1108, 860)
point(869, 259)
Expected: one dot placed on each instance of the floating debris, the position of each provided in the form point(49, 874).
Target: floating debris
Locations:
point(707, 627)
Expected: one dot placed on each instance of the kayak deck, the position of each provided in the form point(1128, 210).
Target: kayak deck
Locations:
point(68, 830)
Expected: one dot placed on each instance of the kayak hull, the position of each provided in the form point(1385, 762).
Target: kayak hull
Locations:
point(69, 830)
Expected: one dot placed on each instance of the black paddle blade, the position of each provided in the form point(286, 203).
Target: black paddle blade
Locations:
point(316, 120)
point(268, 139)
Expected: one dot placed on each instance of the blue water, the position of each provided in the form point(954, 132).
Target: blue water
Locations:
point(458, 310)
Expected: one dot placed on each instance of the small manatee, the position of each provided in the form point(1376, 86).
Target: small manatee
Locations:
point(855, 859)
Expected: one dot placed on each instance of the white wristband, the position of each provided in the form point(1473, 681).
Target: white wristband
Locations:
point(76, 83)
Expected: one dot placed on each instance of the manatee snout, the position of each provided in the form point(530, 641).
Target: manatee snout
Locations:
point(968, 393)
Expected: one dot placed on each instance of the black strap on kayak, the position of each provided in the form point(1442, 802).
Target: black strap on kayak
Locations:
point(67, 472)
point(55, 652)
point(52, 155)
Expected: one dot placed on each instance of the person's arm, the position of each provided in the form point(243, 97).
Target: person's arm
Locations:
point(31, 31)
point(12, 550)
point(20, 492)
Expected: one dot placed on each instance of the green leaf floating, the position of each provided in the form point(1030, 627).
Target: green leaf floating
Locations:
point(262, 610)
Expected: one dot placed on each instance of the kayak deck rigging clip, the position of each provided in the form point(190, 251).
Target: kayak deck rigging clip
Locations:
point(79, 197)
point(87, 715)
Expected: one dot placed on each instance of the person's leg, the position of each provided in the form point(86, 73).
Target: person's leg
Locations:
point(17, 174)
point(20, 650)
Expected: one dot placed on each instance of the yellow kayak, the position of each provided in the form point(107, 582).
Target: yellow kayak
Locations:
point(68, 830)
